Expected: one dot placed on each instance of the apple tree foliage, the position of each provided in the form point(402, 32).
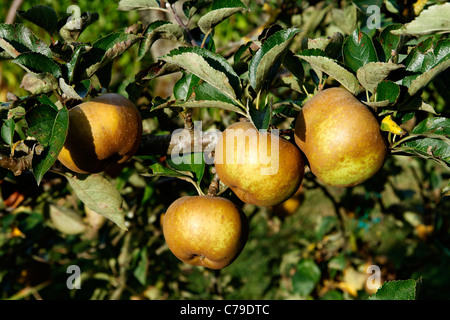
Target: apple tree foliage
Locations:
point(398, 69)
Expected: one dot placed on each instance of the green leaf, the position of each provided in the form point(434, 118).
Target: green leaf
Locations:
point(99, 195)
point(7, 131)
point(72, 26)
point(106, 49)
point(37, 63)
point(345, 19)
point(209, 67)
point(387, 91)
point(397, 290)
point(434, 125)
point(424, 57)
point(191, 7)
point(206, 104)
point(240, 55)
point(159, 170)
point(415, 103)
point(371, 74)
point(306, 277)
point(70, 68)
point(446, 190)
point(42, 16)
point(358, 50)
point(16, 39)
point(334, 47)
point(261, 117)
point(293, 63)
point(145, 45)
point(261, 68)
point(66, 220)
point(338, 263)
point(83, 87)
point(317, 43)
point(140, 272)
point(430, 139)
point(333, 69)
point(433, 20)
point(422, 80)
point(49, 127)
point(184, 87)
point(157, 69)
point(414, 60)
point(68, 90)
point(128, 5)
point(390, 42)
point(161, 30)
point(221, 10)
point(191, 162)
point(205, 91)
point(429, 148)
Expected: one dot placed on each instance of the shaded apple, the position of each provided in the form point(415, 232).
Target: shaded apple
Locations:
point(102, 131)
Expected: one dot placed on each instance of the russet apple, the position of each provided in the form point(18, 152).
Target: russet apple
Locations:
point(207, 231)
point(261, 168)
point(102, 131)
point(340, 137)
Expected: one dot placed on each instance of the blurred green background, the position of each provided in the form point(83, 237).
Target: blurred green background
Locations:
point(318, 248)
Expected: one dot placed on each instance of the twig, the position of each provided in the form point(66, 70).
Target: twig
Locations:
point(12, 11)
point(188, 123)
point(214, 185)
point(16, 165)
point(124, 261)
point(181, 23)
point(184, 141)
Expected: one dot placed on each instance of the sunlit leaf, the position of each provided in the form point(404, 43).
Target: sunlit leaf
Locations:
point(99, 195)
point(397, 290)
point(433, 20)
point(266, 58)
point(334, 70)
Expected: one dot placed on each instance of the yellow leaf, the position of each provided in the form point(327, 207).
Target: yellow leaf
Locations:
point(17, 233)
point(387, 124)
point(423, 231)
point(418, 6)
point(352, 281)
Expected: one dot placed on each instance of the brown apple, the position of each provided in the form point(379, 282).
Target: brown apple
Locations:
point(207, 231)
point(260, 167)
point(102, 131)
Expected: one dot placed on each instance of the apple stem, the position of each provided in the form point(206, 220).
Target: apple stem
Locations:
point(188, 124)
point(214, 185)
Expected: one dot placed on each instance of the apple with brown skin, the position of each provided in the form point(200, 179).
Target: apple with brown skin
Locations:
point(102, 131)
point(207, 231)
point(340, 137)
point(260, 167)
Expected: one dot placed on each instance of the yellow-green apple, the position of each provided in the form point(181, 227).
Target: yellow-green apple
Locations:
point(340, 137)
point(260, 167)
